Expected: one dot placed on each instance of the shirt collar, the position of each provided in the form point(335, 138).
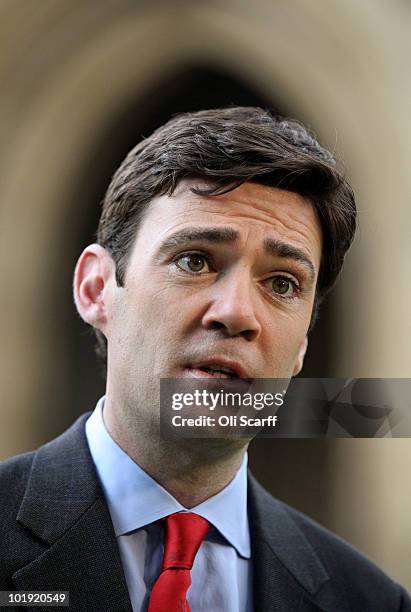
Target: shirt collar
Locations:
point(135, 499)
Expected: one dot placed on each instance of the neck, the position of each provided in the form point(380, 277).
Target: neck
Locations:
point(190, 470)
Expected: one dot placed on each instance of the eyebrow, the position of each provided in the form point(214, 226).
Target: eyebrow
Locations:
point(215, 235)
point(277, 248)
point(228, 235)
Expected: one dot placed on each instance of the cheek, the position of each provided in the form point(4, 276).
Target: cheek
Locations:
point(283, 338)
point(158, 315)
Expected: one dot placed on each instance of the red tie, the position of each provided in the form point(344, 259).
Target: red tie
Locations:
point(184, 533)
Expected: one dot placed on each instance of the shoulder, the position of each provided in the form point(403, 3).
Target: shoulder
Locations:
point(15, 471)
point(350, 568)
point(350, 573)
point(14, 474)
point(32, 486)
point(50, 461)
point(340, 558)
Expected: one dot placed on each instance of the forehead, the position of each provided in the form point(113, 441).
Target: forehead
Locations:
point(254, 211)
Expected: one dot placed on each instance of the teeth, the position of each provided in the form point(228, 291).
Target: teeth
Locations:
point(217, 373)
point(219, 369)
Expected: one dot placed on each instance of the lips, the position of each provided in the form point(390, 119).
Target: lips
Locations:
point(208, 373)
point(216, 368)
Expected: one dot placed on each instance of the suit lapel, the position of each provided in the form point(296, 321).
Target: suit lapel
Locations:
point(287, 572)
point(64, 507)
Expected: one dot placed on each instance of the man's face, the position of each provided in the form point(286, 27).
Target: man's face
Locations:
point(222, 281)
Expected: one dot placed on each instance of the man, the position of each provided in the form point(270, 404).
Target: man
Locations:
point(219, 236)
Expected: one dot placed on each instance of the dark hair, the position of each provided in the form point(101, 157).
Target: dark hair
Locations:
point(228, 147)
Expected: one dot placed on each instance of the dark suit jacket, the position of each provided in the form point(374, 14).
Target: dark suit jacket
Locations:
point(56, 534)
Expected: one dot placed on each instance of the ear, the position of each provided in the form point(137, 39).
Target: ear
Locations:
point(94, 270)
point(300, 357)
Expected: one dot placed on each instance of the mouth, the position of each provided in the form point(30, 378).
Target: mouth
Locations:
point(216, 368)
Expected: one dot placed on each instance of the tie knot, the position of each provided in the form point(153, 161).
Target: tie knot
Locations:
point(184, 533)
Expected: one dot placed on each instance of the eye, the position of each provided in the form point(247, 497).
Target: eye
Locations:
point(284, 286)
point(192, 263)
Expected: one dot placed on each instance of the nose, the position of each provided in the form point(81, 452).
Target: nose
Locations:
point(232, 308)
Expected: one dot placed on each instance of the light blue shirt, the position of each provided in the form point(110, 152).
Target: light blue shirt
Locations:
point(222, 571)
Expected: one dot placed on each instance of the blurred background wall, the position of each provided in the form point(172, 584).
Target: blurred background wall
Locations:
point(82, 81)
